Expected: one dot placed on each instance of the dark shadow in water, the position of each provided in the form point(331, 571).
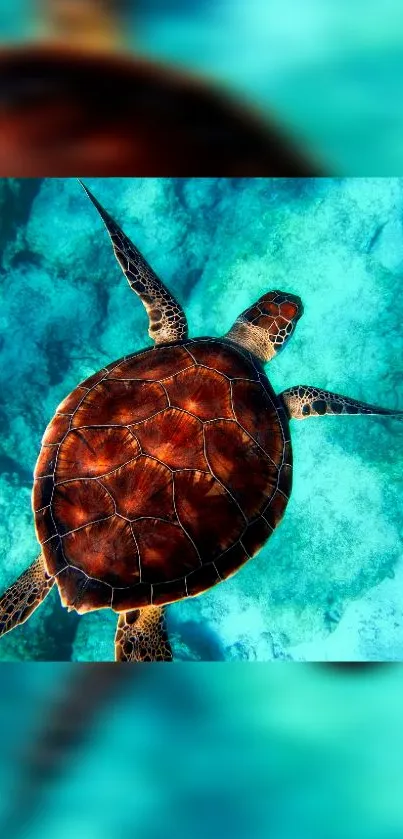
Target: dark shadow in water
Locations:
point(352, 668)
point(16, 201)
point(57, 357)
point(61, 628)
point(65, 728)
point(10, 465)
point(198, 638)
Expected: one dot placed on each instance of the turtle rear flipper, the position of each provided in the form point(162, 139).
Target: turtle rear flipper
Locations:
point(304, 401)
point(141, 636)
point(24, 596)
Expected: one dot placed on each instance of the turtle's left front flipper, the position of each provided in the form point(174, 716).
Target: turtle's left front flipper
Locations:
point(24, 596)
point(141, 636)
point(167, 320)
point(304, 401)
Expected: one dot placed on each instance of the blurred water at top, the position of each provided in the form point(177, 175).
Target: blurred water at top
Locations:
point(331, 72)
point(87, 95)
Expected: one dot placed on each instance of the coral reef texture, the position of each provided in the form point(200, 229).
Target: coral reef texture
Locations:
point(328, 583)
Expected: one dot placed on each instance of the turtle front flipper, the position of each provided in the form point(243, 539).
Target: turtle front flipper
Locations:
point(304, 401)
point(24, 596)
point(167, 319)
point(141, 636)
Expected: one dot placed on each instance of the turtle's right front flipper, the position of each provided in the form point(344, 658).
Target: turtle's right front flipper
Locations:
point(24, 596)
point(304, 401)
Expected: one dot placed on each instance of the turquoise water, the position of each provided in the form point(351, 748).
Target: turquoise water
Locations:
point(330, 72)
point(283, 751)
point(328, 584)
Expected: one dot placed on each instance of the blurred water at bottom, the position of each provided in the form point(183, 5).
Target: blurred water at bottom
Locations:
point(286, 751)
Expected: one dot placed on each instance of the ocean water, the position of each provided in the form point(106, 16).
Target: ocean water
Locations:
point(283, 751)
point(328, 584)
point(329, 72)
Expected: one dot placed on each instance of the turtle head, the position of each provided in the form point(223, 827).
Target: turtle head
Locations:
point(266, 326)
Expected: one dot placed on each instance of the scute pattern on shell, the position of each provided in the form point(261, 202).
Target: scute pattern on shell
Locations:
point(140, 494)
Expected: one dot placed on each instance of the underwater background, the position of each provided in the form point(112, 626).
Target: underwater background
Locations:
point(329, 72)
point(328, 584)
point(286, 751)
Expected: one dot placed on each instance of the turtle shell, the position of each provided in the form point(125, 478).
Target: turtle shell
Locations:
point(161, 475)
point(65, 110)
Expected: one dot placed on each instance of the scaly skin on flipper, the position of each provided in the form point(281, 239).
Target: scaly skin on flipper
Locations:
point(24, 596)
point(304, 401)
point(168, 322)
point(141, 636)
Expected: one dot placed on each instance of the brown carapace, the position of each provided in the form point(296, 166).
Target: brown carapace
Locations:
point(65, 109)
point(163, 473)
point(140, 495)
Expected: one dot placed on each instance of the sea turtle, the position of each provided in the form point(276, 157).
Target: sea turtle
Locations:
point(163, 473)
point(103, 113)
